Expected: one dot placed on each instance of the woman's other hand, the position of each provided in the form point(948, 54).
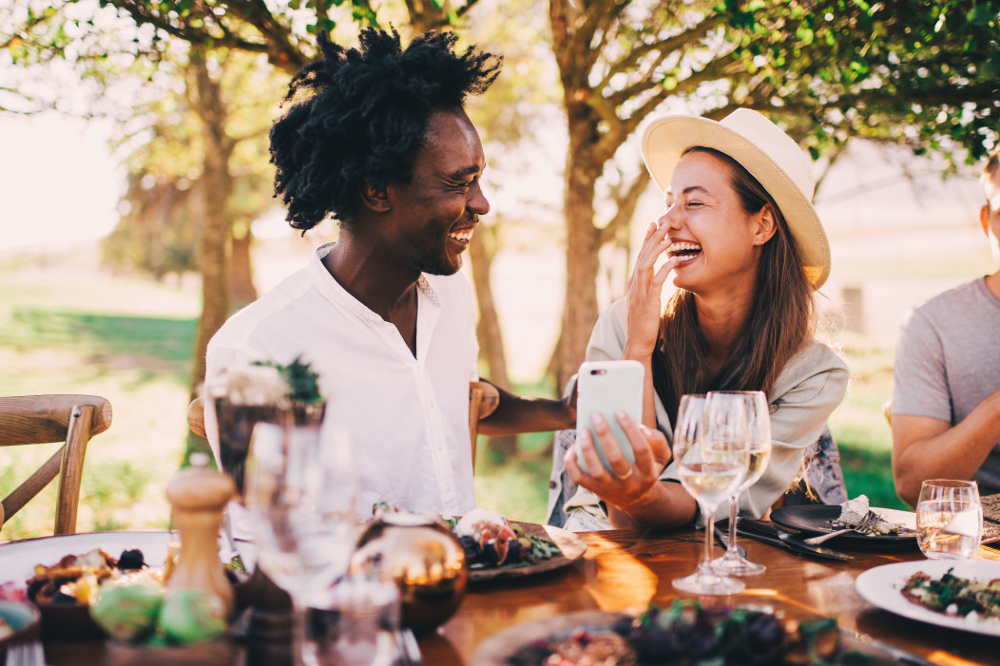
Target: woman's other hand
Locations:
point(644, 289)
point(630, 487)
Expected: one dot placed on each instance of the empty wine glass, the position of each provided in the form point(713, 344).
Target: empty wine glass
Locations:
point(759, 422)
point(949, 519)
point(301, 495)
point(711, 450)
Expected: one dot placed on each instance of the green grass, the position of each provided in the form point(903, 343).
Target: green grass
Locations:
point(127, 340)
point(859, 425)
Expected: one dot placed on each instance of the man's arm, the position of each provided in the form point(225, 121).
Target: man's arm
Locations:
point(516, 414)
point(925, 448)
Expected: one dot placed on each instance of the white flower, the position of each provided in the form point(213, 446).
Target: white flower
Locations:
point(252, 385)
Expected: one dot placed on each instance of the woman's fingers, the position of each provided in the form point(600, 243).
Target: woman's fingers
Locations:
point(648, 445)
point(619, 464)
point(653, 245)
point(595, 468)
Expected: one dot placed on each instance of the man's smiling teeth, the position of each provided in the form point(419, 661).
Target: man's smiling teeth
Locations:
point(463, 236)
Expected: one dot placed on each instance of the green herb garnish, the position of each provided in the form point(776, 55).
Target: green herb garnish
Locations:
point(303, 382)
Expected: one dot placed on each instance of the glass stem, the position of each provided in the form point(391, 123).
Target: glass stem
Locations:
point(706, 563)
point(733, 504)
point(300, 635)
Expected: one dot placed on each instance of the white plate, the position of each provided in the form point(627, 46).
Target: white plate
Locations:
point(881, 586)
point(18, 558)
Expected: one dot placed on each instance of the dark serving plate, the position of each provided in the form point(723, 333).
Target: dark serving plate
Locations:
point(818, 519)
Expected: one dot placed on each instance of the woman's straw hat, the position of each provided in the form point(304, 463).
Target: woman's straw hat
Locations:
point(769, 154)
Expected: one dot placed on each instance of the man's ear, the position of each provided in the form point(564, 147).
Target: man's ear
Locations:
point(767, 225)
point(984, 219)
point(375, 198)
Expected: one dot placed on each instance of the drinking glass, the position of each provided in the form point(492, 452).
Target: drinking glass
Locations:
point(711, 450)
point(949, 519)
point(759, 422)
point(301, 495)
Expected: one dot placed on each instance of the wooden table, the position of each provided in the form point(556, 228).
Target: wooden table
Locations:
point(626, 570)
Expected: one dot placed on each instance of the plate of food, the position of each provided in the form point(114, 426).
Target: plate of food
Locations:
point(496, 548)
point(896, 528)
point(958, 594)
point(60, 574)
point(684, 633)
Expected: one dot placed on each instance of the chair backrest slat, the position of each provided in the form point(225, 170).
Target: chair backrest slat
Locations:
point(45, 419)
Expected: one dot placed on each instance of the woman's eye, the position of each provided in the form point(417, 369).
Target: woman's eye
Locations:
point(694, 204)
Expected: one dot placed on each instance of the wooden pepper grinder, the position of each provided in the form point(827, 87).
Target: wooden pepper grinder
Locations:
point(198, 497)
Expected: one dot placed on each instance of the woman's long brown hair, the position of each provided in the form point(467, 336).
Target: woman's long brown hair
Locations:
point(781, 317)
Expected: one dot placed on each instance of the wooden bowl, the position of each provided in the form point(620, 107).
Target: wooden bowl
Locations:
point(24, 619)
point(68, 622)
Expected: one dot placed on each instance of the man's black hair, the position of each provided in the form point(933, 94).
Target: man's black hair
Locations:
point(360, 116)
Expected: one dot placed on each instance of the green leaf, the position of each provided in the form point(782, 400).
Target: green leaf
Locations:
point(983, 15)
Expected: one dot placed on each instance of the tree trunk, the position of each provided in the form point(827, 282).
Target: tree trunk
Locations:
point(215, 229)
point(582, 263)
point(481, 253)
point(241, 288)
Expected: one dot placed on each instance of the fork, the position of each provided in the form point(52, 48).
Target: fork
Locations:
point(866, 526)
point(25, 654)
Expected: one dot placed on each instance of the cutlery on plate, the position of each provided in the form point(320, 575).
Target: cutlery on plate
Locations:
point(25, 654)
point(408, 649)
point(768, 532)
point(724, 540)
point(865, 527)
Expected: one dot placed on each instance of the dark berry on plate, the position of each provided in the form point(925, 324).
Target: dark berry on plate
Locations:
point(131, 559)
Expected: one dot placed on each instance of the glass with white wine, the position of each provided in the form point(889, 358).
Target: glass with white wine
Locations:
point(759, 422)
point(711, 448)
point(949, 519)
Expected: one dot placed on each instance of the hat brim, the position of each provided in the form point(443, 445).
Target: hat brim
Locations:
point(666, 139)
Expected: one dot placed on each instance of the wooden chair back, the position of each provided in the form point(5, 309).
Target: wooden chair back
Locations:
point(483, 401)
point(196, 417)
point(46, 419)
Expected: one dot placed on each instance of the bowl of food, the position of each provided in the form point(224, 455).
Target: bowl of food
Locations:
point(20, 622)
point(64, 591)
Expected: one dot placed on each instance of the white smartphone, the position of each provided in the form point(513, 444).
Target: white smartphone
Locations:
point(608, 387)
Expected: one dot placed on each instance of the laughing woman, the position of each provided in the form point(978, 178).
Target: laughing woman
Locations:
point(746, 250)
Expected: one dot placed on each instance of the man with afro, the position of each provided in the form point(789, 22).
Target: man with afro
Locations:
point(378, 138)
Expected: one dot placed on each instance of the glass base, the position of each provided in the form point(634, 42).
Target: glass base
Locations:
point(708, 583)
point(731, 564)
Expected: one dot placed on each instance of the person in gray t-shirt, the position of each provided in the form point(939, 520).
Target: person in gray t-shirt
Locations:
point(946, 403)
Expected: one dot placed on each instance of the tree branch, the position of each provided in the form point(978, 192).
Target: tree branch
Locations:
point(626, 205)
point(681, 41)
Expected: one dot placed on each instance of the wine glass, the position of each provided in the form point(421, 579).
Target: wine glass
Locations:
point(949, 519)
point(301, 495)
point(711, 450)
point(759, 422)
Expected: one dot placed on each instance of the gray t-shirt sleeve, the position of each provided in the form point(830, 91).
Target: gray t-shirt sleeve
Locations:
point(921, 379)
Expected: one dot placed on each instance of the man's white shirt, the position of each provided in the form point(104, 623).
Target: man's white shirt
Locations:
point(406, 416)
